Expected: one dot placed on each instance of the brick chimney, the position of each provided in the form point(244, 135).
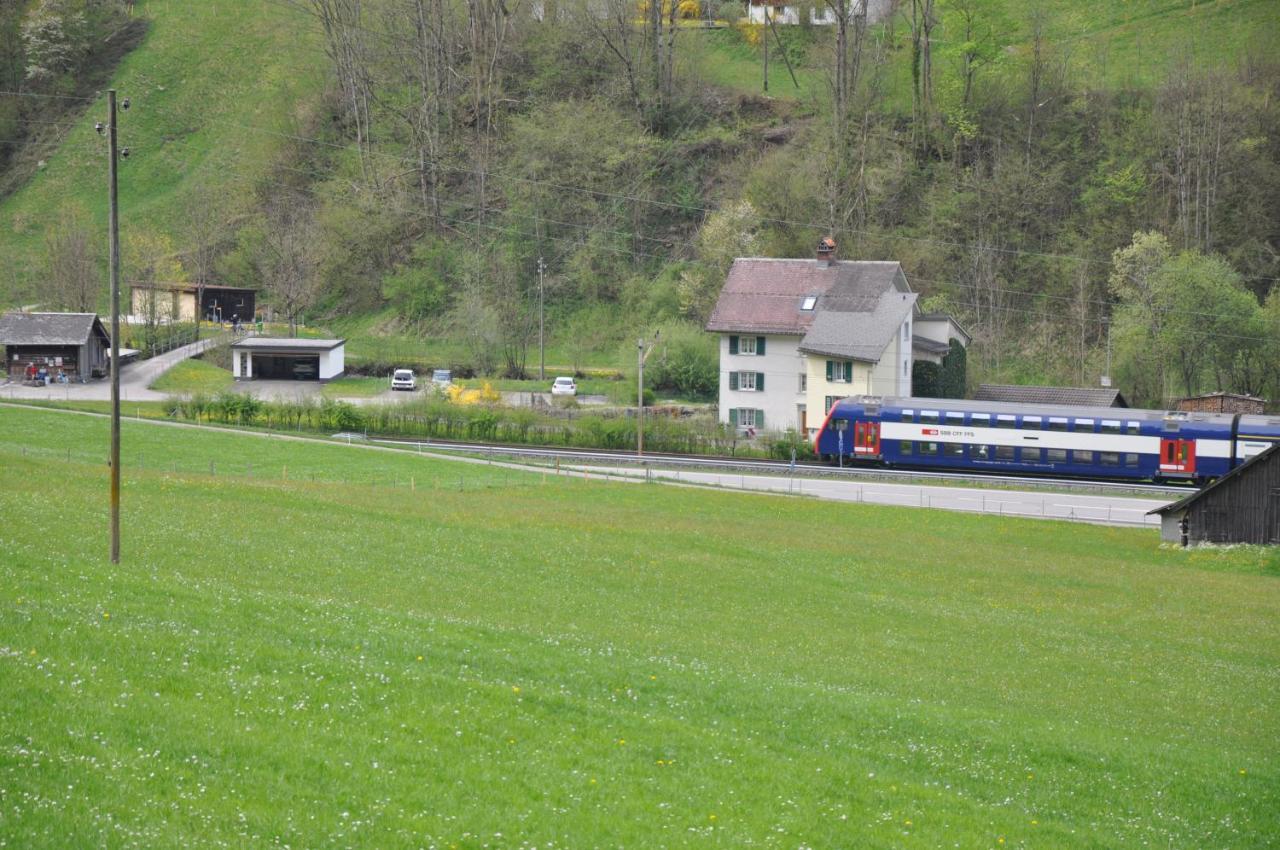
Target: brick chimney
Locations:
point(827, 250)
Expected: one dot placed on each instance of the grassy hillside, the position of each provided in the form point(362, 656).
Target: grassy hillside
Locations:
point(498, 660)
point(203, 69)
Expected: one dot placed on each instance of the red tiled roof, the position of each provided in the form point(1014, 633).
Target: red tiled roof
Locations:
point(765, 295)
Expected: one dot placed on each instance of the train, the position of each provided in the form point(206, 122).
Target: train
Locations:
point(1077, 442)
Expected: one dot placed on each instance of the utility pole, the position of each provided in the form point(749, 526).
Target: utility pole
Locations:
point(113, 216)
point(766, 48)
point(642, 354)
point(542, 351)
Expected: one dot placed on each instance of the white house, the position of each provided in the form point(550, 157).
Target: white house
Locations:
point(796, 335)
point(287, 359)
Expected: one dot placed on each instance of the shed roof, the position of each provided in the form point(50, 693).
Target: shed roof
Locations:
point(1089, 396)
point(283, 344)
point(862, 333)
point(932, 346)
point(48, 328)
point(764, 295)
point(1271, 455)
point(191, 287)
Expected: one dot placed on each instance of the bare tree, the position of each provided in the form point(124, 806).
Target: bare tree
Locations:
point(286, 261)
point(74, 277)
point(203, 230)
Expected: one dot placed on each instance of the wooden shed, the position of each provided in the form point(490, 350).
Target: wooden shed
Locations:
point(1242, 506)
point(75, 344)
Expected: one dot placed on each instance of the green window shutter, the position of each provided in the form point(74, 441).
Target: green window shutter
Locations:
point(760, 420)
point(848, 372)
point(733, 416)
point(733, 380)
point(760, 346)
point(829, 369)
point(733, 345)
point(760, 381)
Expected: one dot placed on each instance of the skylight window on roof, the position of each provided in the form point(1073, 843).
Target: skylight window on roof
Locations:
point(809, 302)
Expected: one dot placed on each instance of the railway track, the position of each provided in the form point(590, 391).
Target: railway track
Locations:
point(808, 469)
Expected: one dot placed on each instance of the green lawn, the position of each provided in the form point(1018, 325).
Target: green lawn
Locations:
point(194, 376)
point(355, 386)
point(504, 659)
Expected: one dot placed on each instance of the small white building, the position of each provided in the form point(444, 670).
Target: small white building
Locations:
point(797, 335)
point(277, 358)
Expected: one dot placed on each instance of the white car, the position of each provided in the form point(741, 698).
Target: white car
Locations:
point(403, 379)
point(564, 386)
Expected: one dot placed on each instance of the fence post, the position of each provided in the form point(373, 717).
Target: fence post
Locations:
point(212, 469)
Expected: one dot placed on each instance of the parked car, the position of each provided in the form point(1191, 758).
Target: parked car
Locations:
point(442, 378)
point(564, 386)
point(403, 379)
point(305, 370)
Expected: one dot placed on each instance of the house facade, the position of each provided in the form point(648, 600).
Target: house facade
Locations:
point(797, 335)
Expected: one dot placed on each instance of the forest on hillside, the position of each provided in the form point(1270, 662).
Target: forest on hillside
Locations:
point(1068, 215)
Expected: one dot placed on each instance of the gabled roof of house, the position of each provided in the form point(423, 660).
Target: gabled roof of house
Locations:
point(946, 317)
point(762, 295)
point(858, 334)
point(1271, 455)
point(48, 328)
point(1083, 396)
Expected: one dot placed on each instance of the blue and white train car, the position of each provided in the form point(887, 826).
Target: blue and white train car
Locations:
point(1086, 442)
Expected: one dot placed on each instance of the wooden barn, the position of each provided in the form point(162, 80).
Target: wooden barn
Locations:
point(1242, 506)
point(74, 344)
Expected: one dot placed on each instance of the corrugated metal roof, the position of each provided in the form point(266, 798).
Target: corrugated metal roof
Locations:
point(1099, 397)
point(862, 334)
point(47, 328)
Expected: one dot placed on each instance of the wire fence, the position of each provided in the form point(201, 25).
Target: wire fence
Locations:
point(469, 478)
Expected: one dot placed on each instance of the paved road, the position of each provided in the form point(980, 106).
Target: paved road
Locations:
point(135, 378)
point(1102, 509)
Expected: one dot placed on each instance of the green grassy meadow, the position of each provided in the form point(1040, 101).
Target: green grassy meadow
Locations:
point(502, 659)
point(212, 88)
point(194, 376)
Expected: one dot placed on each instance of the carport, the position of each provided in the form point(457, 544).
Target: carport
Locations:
point(277, 358)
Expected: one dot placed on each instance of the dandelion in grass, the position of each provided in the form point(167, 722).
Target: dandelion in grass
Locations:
point(515, 689)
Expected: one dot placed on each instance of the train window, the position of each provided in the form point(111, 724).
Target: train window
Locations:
point(1030, 455)
point(981, 452)
point(1109, 458)
point(1132, 427)
point(1006, 422)
point(1056, 424)
point(955, 418)
point(928, 417)
point(1004, 452)
point(953, 449)
point(904, 448)
point(1031, 422)
point(1131, 461)
point(982, 420)
point(1081, 456)
point(1109, 426)
point(1056, 455)
point(928, 449)
point(908, 415)
point(1083, 425)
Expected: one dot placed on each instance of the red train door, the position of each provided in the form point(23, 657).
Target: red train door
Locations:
point(1178, 456)
point(866, 438)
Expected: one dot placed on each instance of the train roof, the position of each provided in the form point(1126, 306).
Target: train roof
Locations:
point(963, 405)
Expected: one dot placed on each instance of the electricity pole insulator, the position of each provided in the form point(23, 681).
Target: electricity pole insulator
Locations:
point(113, 216)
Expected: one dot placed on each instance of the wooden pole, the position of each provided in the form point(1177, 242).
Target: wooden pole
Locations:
point(113, 216)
